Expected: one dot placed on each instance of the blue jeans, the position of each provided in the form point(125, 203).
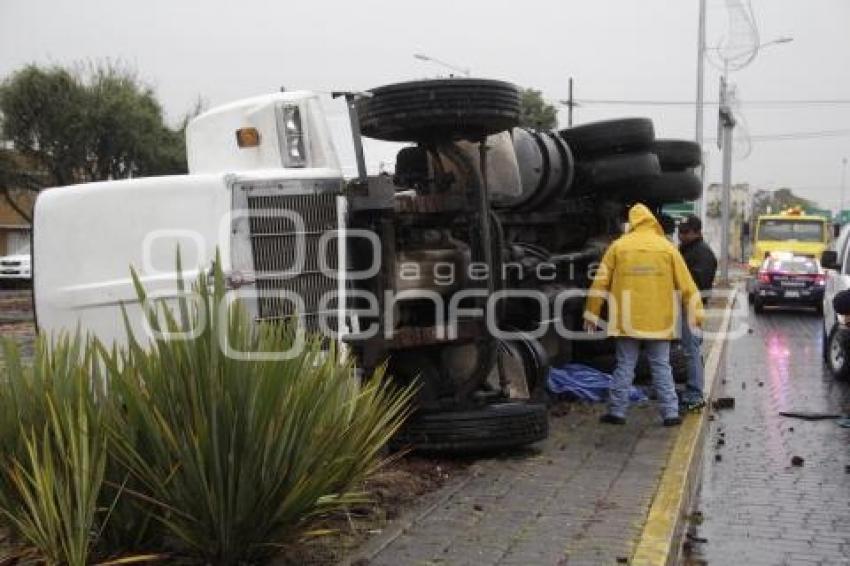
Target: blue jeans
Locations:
point(692, 344)
point(658, 352)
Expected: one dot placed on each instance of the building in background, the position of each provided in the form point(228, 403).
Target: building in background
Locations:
point(15, 230)
point(740, 216)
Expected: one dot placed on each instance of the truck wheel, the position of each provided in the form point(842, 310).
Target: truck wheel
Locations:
point(440, 109)
point(666, 188)
point(609, 137)
point(618, 170)
point(758, 305)
point(677, 155)
point(837, 359)
point(493, 427)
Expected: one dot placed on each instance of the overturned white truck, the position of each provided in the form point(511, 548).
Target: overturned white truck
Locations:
point(463, 270)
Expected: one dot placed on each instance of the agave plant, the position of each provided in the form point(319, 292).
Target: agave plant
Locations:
point(233, 456)
point(53, 446)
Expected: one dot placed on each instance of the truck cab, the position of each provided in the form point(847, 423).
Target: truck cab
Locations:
point(262, 172)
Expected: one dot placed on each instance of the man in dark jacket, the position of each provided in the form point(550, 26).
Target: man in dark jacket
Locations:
point(702, 264)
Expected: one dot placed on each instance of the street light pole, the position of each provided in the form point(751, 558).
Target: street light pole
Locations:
point(462, 70)
point(701, 205)
point(727, 122)
point(843, 178)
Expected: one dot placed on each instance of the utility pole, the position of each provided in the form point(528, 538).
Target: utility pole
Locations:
point(727, 122)
point(701, 205)
point(843, 178)
point(570, 103)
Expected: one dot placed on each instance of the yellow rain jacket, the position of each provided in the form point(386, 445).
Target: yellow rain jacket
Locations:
point(647, 280)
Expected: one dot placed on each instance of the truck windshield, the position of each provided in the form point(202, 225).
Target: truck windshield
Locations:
point(781, 229)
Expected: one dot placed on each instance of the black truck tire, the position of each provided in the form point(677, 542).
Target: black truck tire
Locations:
point(666, 188)
point(627, 169)
point(609, 137)
point(493, 427)
point(677, 155)
point(439, 109)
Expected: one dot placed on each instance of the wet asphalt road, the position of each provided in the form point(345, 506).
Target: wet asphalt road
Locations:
point(756, 507)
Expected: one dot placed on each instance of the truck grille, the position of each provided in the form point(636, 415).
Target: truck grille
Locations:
point(273, 246)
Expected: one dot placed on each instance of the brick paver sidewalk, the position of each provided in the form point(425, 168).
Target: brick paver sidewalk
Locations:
point(580, 498)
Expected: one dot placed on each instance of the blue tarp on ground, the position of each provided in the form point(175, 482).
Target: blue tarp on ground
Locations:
point(585, 383)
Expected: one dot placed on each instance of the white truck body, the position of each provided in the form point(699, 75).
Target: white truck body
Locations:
point(87, 237)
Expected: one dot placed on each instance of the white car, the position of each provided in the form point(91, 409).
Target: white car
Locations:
point(15, 269)
point(837, 265)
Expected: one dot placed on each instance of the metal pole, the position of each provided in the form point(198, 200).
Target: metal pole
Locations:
point(724, 203)
point(843, 177)
point(570, 105)
point(728, 123)
point(700, 101)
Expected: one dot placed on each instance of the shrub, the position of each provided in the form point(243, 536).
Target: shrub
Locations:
point(54, 448)
point(112, 450)
point(233, 455)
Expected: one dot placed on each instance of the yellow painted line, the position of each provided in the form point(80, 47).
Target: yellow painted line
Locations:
point(658, 544)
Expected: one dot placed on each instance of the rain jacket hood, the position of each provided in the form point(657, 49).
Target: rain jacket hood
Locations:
point(641, 218)
point(645, 281)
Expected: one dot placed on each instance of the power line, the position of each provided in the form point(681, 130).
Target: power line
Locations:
point(624, 102)
point(792, 136)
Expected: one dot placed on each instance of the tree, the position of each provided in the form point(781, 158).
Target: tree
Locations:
point(778, 200)
point(75, 126)
point(535, 112)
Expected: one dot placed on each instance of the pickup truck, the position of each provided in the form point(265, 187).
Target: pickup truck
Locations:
point(15, 270)
point(463, 270)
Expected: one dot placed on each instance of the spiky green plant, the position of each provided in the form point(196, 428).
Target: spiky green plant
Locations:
point(232, 456)
point(53, 447)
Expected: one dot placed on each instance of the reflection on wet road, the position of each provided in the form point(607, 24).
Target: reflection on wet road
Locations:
point(757, 507)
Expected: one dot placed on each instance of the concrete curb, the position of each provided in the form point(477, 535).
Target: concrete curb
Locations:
point(660, 541)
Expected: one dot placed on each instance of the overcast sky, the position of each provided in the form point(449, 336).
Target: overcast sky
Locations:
point(615, 49)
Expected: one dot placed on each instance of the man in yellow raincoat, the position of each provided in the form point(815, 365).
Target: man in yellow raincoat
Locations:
point(645, 281)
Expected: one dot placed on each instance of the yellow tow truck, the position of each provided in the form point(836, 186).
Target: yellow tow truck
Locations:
point(789, 231)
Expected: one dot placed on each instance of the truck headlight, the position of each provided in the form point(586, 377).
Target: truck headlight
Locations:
point(292, 137)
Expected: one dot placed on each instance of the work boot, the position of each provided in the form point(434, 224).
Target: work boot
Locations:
point(672, 421)
point(612, 419)
point(691, 406)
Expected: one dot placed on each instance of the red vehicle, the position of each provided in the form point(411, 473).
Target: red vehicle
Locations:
point(789, 280)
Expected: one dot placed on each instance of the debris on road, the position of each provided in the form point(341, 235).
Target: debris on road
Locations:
point(810, 415)
point(797, 461)
point(723, 403)
point(697, 539)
